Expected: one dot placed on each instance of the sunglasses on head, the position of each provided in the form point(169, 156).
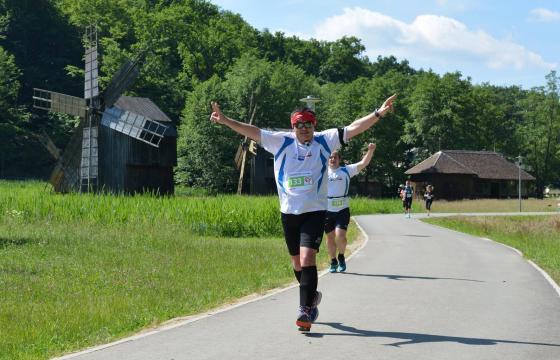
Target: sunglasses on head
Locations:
point(301, 125)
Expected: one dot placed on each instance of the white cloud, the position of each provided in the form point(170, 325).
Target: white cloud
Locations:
point(544, 15)
point(428, 39)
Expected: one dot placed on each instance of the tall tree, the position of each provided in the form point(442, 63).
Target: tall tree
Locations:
point(384, 64)
point(273, 87)
point(497, 113)
point(43, 44)
point(12, 118)
point(541, 132)
point(345, 61)
point(442, 116)
point(346, 102)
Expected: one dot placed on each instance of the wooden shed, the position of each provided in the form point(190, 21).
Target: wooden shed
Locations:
point(127, 165)
point(458, 174)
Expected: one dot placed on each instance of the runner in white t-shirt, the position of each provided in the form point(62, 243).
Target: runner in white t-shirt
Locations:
point(300, 169)
point(338, 211)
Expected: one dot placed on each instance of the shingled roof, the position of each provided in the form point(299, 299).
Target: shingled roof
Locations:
point(483, 164)
point(142, 106)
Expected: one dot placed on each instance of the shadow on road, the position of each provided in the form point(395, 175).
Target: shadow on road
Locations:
point(404, 277)
point(414, 338)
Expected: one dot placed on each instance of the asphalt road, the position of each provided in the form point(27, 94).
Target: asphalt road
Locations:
point(414, 291)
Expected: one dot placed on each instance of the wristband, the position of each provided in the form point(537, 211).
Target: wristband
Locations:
point(377, 114)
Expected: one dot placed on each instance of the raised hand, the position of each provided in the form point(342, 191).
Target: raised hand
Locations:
point(387, 105)
point(217, 116)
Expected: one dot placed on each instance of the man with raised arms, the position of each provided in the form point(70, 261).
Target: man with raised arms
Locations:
point(300, 170)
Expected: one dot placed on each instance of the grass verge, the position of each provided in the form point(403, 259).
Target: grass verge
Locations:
point(490, 205)
point(537, 237)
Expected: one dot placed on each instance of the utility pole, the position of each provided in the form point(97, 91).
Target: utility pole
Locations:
point(519, 179)
point(310, 101)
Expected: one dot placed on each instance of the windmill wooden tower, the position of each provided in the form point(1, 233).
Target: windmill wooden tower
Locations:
point(261, 164)
point(247, 145)
point(139, 122)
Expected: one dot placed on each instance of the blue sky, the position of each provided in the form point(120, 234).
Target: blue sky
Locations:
point(501, 42)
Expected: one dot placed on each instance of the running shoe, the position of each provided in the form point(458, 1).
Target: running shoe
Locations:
point(334, 266)
point(317, 299)
point(314, 314)
point(304, 318)
point(342, 266)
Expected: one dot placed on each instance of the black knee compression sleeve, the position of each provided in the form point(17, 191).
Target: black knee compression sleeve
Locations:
point(308, 285)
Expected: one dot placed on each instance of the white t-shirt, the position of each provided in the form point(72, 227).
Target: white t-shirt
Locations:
point(301, 170)
point(339, 182)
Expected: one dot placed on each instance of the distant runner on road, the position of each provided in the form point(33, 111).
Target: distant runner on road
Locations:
point(429, 197)
point(406, 196)
point(338, 211)
point(300, 169)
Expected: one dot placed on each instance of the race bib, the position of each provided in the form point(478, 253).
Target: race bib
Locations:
point(299, 183)
point(335, 203)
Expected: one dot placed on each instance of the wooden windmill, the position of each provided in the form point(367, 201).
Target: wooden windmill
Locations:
point(78, 167)
point(247, 145)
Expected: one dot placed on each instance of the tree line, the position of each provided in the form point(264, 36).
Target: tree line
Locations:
point(199, 52)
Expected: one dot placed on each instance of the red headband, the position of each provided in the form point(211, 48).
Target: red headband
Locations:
point(304, 116)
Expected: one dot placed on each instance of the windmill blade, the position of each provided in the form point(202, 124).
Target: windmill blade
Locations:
point(59, 103)
point(47, 142)
point(242, 171)
point(238, 156)
point(241, 155)
point(91, 74)
point(122, 80)
point(65, 176)
point(134, 125)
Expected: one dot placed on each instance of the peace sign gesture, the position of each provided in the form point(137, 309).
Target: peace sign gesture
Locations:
point(217, 116)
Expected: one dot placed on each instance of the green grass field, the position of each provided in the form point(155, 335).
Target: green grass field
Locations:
point(79, 270)
point(537, 237)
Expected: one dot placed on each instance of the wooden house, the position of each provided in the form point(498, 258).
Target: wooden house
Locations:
point(458, 174)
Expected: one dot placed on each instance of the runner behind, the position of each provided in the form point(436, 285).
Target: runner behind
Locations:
point(338, 211)
point(429, 197)
point(406, 195)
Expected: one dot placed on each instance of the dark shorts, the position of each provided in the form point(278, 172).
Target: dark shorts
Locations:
point(339, 219)
point(303, 230)
point(428, 204)
point(407, 203)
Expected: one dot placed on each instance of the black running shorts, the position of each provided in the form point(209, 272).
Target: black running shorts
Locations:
point(303, 230)
point(407, 203)
point(428, 204)
point(339, 219)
